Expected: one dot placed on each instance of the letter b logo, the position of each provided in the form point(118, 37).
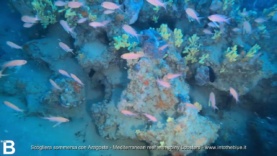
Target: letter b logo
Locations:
point(8, 147)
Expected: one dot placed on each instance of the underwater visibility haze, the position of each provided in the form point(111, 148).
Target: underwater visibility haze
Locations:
point(138, 77)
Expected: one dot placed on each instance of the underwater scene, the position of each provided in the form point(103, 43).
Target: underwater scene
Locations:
point(138, 77)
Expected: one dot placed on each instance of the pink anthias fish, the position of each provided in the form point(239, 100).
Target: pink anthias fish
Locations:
point(237, 30)
point(99, 24)
point(14, 63)
point(74, 4)
point(213, 25)
point(128, 113)
point(192, 14)
point(82, 20)
point(28, 25)
point(219, 18)
point(110, 5)
point(170, 76)
point(106, 12)
point(212, 101)
point(150, 117)
point(66, 27)
point(65, 47)
point(163, 47)
point(29, 19)
point(247, 27)
point(12, 106)
point(13, 45)
point(207, 31)
point(234, 93)
point(64, 73)
point(191, 106)
point(157, 3)
point(75, 78)
point(163, 83)
point(60, 3)
point(55, 85)
point(57, 119)
point(132, 56)
point(260, 20)
point(129, 30)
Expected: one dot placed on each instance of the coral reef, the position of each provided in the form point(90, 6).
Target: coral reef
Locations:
point(148, 98)
point(46, 11)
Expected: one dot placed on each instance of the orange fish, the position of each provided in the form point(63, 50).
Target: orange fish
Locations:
point(163, 83)
point(219, 18)
point(234, 93)
point(54, 84)
point(76, 79)
point(65, 47)
point(28, 25)
point(163, 47)
point(107, 12)
point(99, 24)
point(260, 20)
point(131, 56)
point(128, 113)
point(110, 5)
point(82, 20)
point(66, 27)
point(14, 63)
point(64, 73)
point(170, 76)
point(57, 119)
point(157, 3)
point(30, 19)
point(191, 106)
point(129, 30)
point(212, 101)
point(13, 45)
point(74, 4)
point(60, 3)
point(150, 117)
point(192, 14)
point(12, 106)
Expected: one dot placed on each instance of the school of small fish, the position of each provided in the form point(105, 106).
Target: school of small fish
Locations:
point(110, 8)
